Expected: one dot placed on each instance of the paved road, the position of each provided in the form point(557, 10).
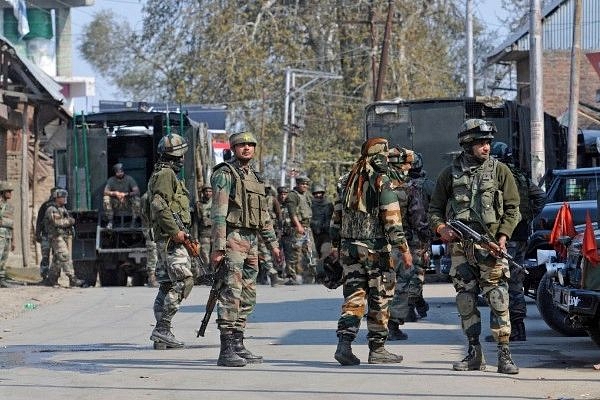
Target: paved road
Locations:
point(95, 345)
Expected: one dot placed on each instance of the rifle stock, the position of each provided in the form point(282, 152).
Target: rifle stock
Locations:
point(220, 274)
point(466, 232)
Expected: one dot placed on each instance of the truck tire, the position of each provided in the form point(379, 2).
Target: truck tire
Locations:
point(139, 278)
point(86, 271)
point(113, 277)
point(554, 317)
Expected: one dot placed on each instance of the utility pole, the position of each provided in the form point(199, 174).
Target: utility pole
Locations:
point(538, 156)
point(316, 78)
point(574, 88)
point(373, 47)
point(384, 51)
point(469, 29)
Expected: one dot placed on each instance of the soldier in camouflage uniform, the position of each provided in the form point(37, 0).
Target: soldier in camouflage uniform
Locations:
point(265, 261)
point(532, 202)
point(151, 252)
point(168, 196)
point(6, 230)
point(121, 193)
point(240, 216)
point(481, 192)
point(59, 225)
point(409, 279)
point(285, 232)
point(41, 235)
point(205, 226)
point(301, 261)
point(370, 229)
point(322, 210)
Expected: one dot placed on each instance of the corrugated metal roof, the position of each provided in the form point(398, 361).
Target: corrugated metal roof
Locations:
point(557, 29)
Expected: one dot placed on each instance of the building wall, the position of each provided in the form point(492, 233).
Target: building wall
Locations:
point(556, 80)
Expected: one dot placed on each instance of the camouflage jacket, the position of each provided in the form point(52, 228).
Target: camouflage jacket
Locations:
point(58, 221)
point(168, 195)
point(6, 219)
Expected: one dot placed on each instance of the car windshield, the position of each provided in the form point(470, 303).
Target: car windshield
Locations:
point(575, 189)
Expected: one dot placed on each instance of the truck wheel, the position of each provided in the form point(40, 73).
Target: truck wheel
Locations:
point(87, 271)
point(139, 278)
point(554, 317)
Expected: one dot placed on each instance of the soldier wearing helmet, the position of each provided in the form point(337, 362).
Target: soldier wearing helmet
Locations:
point(409, 280)
point(322, 210)
point(168, 197)
point(205, 226)
point(121, 193)
point(6, 230)
point(41, 234)
point(532, 199)
point(60, 224)
point(480, 192)
point(239, 216)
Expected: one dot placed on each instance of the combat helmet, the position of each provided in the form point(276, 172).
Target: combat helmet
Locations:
point(5, 186)
point(501, 151)
point(172, 145)
point(242, 137)
point(476, 129)
point(283, 189)
point(400, 155)
point(59, 193)
point(318, 189)
point(302, 179)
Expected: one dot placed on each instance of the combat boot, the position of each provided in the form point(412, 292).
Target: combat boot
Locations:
point(505, 363)
point(75, 282)
point(343, 353)
point(4, 283)
point(152, 282)
point(242, 351)
point(275, 279)
point(412, 315)
point(473, 361)
point(163, 338)
point(422, 307)
point(517, 333)
point(379, 355)
point(227, 355)
point(394, 331)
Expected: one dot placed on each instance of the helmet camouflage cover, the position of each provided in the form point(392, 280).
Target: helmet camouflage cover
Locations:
point(318, 189)
point(476, 129)
point(173, 145)
point(400, 155)
point(242, 137)
point(5, 186)
point(60, 193)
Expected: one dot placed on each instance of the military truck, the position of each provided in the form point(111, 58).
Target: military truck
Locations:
point(94, 144)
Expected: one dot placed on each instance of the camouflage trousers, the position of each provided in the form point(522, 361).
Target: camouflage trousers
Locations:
point(173, 273)
point(516, 293)
point(205, 253)
point(302, 259)
point(474, 270)
point(265, 259)
point(152, 254)
point(5, 243)
point(61, 257)
point(369, 282)
point(130, 203)
point(45, 249)
point(237, 298)
point(409, 286)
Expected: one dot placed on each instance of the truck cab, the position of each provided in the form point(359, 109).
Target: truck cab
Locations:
point(94, 144)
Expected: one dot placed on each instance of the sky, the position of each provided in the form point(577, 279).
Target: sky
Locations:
point(487, 10)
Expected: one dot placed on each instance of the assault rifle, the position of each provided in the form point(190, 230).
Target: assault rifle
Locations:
point(220, 274)
point(465, 232)
point(192, 245)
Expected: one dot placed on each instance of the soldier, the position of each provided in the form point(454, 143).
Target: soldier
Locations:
point(481, 192)
point(121, 193)
point(152, 253)
point(322, 210)
point(60, 225)
point(169, 197)
point(41, 235)
point(370, 227)
point(301, 262)
point(6, 230)
point(205, 226)
point(239, 216)
point(409, 279)
point(532, 200)
point(265, 261)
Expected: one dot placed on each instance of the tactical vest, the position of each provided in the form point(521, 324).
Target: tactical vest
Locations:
point(304, 208)
point(58, 228)
point(247, 200)
point(403, 193)
point(360, 225)
point(205, 221)
point(475, 195)
point(179, 203)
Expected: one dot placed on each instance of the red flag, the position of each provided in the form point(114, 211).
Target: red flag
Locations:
point(563, 226)
point(590, 248)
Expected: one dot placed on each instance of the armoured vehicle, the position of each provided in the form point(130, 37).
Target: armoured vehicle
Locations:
point(94, 144)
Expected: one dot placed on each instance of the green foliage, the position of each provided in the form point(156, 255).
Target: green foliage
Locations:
point(235, 53)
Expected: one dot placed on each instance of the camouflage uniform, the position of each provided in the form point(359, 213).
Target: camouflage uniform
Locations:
point(265, 260)
point(59, 224)
point(481, 192)
point(168, 196)
point(409, 281)
point(322, 211)
point(132, 203)
point(240, 216)
point(204, 228)
point(6, 231)
point(302, 258)
point(151, 252)
point(41, 236)
point(370, 226)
